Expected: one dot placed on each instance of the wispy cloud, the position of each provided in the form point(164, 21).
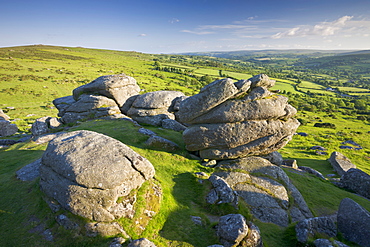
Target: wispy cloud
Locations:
point(321, 29)
point(142, 35)
point(198, 32)
point(174, 20)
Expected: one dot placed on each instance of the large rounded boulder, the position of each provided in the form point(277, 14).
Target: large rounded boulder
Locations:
point(87, 172)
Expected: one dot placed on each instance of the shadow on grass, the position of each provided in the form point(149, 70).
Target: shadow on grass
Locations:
point(179, 226)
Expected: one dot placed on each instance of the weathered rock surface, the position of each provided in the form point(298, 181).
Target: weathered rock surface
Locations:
point(173, 125)
point(161, 143)
point(29, 172)
point(43, 125)
point(234, 140)
point(153, 107)
point(357, 181)
point(327, 243)
point(89, 107)
point(265, 188)
point(354, 222)
point(117, 87)
point(232, 229)
point(94, 229)
point(308, 228)
point(221, 192)
point(7, 128)
point(86, 172)
point(142, 242)
point(231, 120)
point(340, 163)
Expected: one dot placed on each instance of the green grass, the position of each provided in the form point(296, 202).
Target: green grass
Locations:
point(31, 77)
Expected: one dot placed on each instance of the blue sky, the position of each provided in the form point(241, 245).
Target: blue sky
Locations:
point(163, 26)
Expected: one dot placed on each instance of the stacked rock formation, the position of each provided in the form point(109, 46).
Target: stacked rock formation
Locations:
point(231, 120)
point(153, 107)
point(116, 95)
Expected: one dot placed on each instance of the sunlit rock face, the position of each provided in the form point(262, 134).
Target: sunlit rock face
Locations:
point(228, 120)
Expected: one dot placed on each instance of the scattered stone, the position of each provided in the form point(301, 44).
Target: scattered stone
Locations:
point(48, 235)
point(325, 125)
point(86, 172)
point(197, 220)
point(161, 143)
point(302, 134)
point(311, 171)
point(307, 228)
point(40, 126)
point(321, 153)
point(275, 158)
point(146, 132)
point(66, 222)
point(327, 243)
point(340, 163)
point(354, 222)
point(232, 229)
point(29, 172)
point(142, 242)
point(357, 181)
point(209, 163)
point(318, 148)
point(291, 163)
point(7, 128)
point(352, 143)
point(201, 174)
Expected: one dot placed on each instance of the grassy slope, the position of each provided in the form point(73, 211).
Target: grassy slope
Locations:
point(183, 196)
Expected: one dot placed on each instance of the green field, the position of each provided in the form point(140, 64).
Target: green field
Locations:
point(31, 77)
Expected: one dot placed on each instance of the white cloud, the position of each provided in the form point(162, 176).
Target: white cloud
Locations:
point(197, 32)
point(143, 35)
point(321, 29)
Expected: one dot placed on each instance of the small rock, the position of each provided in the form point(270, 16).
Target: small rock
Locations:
point(291, 163)
point(340, 163)
point(146, 132)
point(308, 228)
point(158, 142)
point(197, 220)
point(312, 171)
point(142, 242)
point(210, 163)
